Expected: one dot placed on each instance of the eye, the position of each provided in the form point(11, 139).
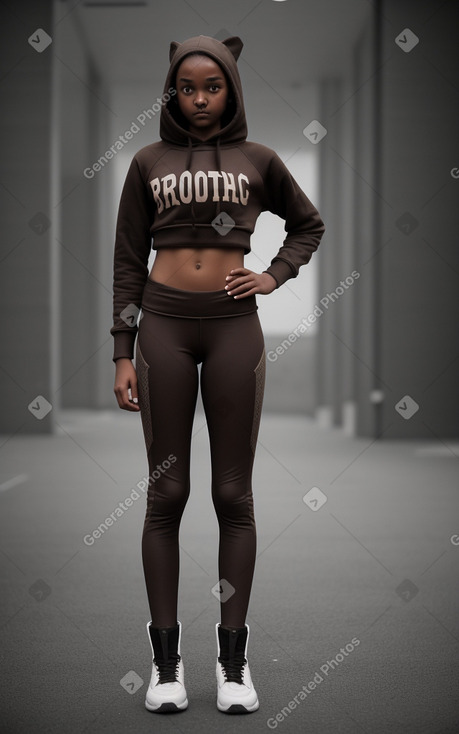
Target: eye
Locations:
point(214, 87)
point(187, 89)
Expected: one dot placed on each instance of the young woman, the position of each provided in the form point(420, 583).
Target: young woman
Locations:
point(198, 193)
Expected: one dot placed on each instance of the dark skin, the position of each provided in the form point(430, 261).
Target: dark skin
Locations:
point(202, 95)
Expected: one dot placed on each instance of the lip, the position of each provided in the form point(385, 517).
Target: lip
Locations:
point(201, 112)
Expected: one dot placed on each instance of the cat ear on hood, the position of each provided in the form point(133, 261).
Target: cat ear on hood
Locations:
point(235, 45)
point(173, 48)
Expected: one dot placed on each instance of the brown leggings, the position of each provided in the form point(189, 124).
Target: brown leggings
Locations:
point(179, 330)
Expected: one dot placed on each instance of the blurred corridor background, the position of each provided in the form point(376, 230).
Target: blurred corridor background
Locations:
point(360, 100)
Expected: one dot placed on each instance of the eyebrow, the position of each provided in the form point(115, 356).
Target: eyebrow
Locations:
point(209, 79)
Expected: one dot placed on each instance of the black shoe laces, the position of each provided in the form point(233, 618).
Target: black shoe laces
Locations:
point(232, 669)
point(168, 670)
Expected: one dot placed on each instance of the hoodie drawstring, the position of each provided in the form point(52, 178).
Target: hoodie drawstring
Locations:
point(188, 168)
point(219, 168)
point(190, 153)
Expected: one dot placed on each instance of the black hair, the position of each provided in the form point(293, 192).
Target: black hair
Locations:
point(173, 104)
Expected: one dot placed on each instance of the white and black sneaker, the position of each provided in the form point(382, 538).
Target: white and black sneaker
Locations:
point(235, 691)
point(166, 692)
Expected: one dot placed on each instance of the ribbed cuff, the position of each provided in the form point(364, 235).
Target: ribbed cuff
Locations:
point(124, 344)
point(281, 272)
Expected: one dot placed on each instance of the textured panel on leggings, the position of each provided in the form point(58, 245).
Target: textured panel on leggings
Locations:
point(260, 371)
point(142, 368)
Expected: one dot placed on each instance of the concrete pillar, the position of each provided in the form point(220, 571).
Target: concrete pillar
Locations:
point(83, 105)
point(365, 292)
point(395, 367)
point(28, 293)
point(418, 263)
point(328, 402)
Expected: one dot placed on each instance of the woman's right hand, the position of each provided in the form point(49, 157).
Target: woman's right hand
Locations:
point(126, 378)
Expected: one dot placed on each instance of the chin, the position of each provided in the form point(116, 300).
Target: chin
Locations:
point(204, 127)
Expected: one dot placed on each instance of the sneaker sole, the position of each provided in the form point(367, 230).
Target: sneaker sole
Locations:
point(238, 708)
point(167, 708)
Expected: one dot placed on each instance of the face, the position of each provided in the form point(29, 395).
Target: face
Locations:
point(202, 94)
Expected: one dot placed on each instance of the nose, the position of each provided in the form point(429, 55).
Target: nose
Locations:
point(200, 100)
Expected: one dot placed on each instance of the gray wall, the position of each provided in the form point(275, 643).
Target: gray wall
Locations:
point(393, 334)
point(79, 246)
point(27, 295)
point(418, 271)
point(330, 256)
point(55, 284)
point(86, 246)
point(345, 353)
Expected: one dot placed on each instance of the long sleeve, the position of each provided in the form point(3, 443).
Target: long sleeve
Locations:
point(303, 224)
point(130, 262)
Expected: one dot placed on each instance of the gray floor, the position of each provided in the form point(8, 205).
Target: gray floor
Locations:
point(372, 571)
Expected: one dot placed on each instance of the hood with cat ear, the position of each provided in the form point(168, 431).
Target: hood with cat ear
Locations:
point(172, 128)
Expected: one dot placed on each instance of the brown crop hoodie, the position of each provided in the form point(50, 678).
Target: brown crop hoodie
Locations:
point(186, 192)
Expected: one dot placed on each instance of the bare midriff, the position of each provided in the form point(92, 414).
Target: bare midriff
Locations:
point(196, 269)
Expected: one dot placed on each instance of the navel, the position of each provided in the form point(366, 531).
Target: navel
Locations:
point(198, 265)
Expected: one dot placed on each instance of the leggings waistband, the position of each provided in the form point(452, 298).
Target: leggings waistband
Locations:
point(168, 301)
